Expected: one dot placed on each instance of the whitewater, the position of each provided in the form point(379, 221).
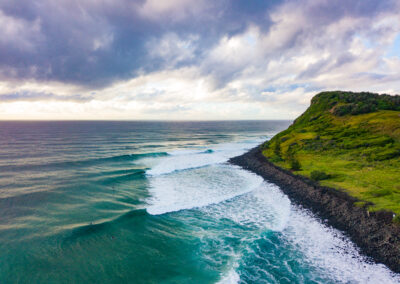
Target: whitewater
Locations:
point(204, 181)
point(157, 202)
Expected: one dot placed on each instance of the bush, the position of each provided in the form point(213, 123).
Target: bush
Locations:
point(295, 164)
point(318, 175)
point(277, 149)
point(284, 138)
point(359, 103)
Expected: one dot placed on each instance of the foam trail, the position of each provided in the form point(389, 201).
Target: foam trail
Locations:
point(326, 250)
point(232, 277)
point(183, 162)
point(189, 159)
point(242, 211)
point(263, 208)
point(333, 253)
point(199, 187)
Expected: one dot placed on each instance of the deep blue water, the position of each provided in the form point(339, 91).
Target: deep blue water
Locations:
point(156, 202)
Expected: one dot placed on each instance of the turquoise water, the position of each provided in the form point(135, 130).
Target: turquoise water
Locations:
point(156, 202)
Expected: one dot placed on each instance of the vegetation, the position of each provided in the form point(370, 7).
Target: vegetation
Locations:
point(318, 175)
point(349, 141)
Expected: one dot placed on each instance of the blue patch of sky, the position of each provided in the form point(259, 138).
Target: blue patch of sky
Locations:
point(370, 75)
point(365, 41)
point(394, 49)
point(251, 40)
point(286, 88)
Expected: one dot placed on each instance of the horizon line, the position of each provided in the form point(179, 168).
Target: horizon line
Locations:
point(136, 120)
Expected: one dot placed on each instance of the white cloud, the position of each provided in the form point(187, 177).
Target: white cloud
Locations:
point(173, 49)
point(19, 33)
point(103, 41)
point(175, 10)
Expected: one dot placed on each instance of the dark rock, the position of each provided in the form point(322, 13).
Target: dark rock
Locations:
point(373, 232)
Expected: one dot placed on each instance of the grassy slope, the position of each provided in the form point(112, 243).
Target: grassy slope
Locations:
point(360, 153)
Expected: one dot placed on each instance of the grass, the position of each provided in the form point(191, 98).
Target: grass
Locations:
point(360, 153)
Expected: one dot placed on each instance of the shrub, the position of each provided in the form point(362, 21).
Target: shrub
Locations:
point(382, 192)
point(319, 175)
point(385, 155)
point(295, 164)
point(284, 138)
point(359, 103)
point(277, 149)
point(265, 145)
point(290, 157)
point(343, 110)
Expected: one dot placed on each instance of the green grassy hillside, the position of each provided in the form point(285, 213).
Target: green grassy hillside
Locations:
point(349, 141)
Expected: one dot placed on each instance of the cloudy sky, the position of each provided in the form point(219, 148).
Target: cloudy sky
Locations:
point(191, 59)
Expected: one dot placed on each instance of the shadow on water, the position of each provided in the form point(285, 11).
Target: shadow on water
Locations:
point(134, 248)
point(91, 229)
point(80, 163)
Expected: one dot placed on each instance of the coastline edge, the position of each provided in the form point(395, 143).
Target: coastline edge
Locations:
point(373, 232)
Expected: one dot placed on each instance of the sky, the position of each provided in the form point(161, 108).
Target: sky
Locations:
point(191, 59)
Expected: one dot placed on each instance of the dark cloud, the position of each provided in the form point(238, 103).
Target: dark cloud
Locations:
point(93, 43)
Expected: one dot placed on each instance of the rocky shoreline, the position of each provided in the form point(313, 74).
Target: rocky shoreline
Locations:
point(373, 232)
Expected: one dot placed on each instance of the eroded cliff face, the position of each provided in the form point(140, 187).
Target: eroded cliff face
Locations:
point(374, 232)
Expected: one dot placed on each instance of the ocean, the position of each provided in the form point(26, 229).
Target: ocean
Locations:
point(157, 202)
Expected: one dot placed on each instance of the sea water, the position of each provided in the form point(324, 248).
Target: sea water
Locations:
point(157, 202)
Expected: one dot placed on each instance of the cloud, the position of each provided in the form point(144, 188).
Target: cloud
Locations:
point(301, 48)
point(19, 34)
point(172, 49)
point(186, 58)
point(176, 10)
point(33, 96)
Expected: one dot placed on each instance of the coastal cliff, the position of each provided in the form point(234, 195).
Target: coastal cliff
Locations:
point(341, 160)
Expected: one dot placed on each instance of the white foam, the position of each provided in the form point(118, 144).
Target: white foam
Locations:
point(191, 179)
point(232, 277)
point(332, 252)
point(199, 187)
point(179, 160)
point(328, 251)
point(183, 161)
point(264, 208)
